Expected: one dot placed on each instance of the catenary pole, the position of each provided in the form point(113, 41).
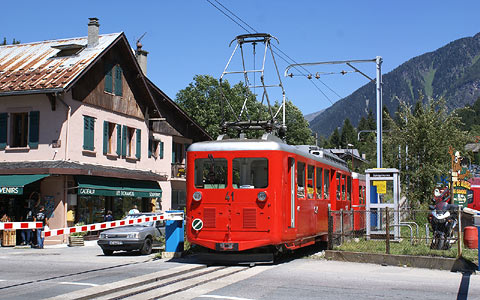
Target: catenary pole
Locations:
point(379, 111)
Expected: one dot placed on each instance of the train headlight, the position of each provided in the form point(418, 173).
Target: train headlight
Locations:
point(262, 196)
point(197, 196)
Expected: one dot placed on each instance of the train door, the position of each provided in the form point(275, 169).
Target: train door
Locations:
point(312, 202)
point(321, 200)
point(291, 206)
point(302, 205)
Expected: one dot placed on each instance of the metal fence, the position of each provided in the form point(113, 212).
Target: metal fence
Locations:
point(414, 226)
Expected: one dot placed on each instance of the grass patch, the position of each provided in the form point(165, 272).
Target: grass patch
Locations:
point(404, 247)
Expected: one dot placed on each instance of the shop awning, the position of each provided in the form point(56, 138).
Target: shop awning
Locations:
point(13, 184)
point(106, 186)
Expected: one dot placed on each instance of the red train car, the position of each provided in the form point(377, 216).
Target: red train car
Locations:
point(358, 201)
point(244, 194)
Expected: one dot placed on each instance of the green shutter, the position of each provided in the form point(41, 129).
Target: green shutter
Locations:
point(105, 137)
point(119, 139)
point(118, 80)
point(150, 143)
point(108, 78)
point(88, 133)
point(34, 129)
point(139, 144)
point(3, 130)
point(161, 150)
point(124, 141)
point(173, 152)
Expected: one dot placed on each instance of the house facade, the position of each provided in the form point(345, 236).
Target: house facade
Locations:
point(83, 131)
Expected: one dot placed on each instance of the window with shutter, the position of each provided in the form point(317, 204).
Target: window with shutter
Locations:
point(108, 78)
point(119, 139)
point(139, 144)
point(161, 150)
point(3, 130)
point(105, 137)
point(34, 129)
point(88, 133)
point(118, 80)
point(124, 140)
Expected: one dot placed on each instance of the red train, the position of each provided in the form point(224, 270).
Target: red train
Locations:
point(244, 194)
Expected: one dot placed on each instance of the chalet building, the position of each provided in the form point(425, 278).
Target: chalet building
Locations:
point(83, 131)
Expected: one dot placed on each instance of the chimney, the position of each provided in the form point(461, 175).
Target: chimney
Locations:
point(141, 56)
point(93, 26)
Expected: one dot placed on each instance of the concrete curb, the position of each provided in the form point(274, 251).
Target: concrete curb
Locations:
point(426, 262)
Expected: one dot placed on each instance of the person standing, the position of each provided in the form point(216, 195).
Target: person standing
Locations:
point(40, 216)
point(27, 217)
point(108, 217)
point(134, 210)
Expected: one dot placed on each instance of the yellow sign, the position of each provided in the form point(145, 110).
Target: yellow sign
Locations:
point(381, 186)
point(462, 183)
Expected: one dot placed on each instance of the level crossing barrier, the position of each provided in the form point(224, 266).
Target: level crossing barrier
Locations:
point(20, 225)
point(91, 227)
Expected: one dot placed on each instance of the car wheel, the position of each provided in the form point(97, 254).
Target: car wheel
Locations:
point(107, 252)
point(147, 247)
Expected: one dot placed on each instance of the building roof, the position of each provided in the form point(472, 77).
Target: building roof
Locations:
point(41, 66)
point(60, 167)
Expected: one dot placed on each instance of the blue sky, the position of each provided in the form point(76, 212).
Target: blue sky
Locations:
point(185, 38)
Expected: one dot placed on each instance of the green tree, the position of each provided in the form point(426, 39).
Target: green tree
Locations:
point(202, 99)
point(335, 141)
point(348, 135)
point(428, 130)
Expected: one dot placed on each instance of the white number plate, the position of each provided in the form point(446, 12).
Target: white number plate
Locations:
point(115, 243)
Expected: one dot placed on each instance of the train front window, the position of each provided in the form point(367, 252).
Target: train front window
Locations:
point(250, 173)
point(211, 173)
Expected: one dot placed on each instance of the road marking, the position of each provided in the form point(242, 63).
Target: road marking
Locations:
point(223, 297)
point(78, 283)
point(3, 280)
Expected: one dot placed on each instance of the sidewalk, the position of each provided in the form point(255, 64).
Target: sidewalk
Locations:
point(426, 262)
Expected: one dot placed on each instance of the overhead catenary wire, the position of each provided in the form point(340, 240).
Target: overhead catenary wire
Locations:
point(280, 56)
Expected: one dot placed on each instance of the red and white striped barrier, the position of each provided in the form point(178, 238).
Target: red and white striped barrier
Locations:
point(107, 225)
point(20, 225)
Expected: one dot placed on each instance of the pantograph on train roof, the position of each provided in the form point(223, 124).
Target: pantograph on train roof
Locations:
point(244, 117)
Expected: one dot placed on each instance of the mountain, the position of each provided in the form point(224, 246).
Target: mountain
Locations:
point(452, 71)
point(312, 116)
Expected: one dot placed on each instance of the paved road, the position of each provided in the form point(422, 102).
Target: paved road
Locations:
point(42, 273)
point(38, 274)
point(321, 279)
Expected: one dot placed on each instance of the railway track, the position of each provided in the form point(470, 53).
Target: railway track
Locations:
point(175, 283)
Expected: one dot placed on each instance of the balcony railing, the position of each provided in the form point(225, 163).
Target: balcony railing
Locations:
point(179, 171)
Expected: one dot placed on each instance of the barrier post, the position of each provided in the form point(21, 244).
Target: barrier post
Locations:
point(341, 227)
point(459, 235)
point(476, 222)
point(330, 230)
point(174, 235)
point(387, 231)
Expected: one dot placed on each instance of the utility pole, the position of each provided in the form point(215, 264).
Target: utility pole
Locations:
point(378, 61)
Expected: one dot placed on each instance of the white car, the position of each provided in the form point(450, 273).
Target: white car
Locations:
point(141, 236)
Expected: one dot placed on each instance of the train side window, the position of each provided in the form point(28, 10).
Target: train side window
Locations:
point(349, 188)
point(300, 180)
point(250, 173)
point(343, 187)
point(360, 195)
point(310, 179)
point(326, 184)
point(319, 183)
point(338, 181)
point(211, 173)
